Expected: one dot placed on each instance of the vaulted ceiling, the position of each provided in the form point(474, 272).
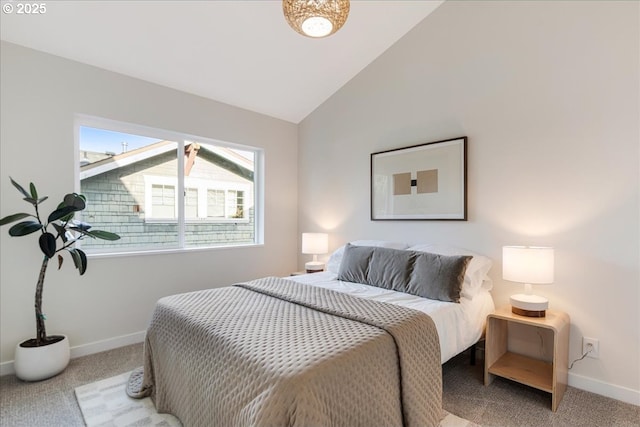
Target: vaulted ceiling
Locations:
point(238, 52)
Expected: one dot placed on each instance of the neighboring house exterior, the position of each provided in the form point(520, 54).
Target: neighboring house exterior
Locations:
point(134, 194)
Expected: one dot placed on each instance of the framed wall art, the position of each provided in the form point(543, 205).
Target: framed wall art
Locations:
point(421, 182)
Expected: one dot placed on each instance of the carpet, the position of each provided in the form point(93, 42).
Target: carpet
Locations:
point(105, 403)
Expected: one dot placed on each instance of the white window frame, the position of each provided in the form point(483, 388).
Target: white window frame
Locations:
point(182, 139)
point(149, 182)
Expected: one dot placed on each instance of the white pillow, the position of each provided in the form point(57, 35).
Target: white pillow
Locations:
point(333, 264)
point(475, 277)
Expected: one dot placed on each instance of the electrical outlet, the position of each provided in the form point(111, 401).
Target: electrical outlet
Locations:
point(593, 345)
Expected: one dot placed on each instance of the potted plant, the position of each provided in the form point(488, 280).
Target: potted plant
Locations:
point(47, 355)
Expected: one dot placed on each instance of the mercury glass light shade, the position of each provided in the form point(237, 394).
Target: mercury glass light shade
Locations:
point(528, 265)
point(316, 18)
point(315, 244)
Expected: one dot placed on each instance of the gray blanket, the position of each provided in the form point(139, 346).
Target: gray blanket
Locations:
point(273, 352)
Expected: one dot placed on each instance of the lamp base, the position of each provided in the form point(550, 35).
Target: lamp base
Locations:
point(529, 305)
point(314, 266)
point(528, 313)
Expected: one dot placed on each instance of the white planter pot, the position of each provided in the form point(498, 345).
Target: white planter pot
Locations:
point(40, 363)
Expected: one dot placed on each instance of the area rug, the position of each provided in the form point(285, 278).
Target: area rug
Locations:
point(105, 403)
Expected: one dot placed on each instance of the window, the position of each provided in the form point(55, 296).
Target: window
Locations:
point(234, 204)
point(191, 202)
point(163, 203)
point(215, 203)
point(162, 190)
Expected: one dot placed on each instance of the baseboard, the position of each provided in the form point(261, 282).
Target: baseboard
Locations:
point(602, 388)
point(613, 391)
point(6, 368)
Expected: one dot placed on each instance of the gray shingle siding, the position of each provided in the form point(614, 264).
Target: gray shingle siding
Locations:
point(116, 203)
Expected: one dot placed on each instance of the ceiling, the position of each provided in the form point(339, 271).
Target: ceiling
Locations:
point(238, 52)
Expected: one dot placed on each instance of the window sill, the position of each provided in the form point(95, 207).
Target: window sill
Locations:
point(197, 221)
point(167, 251)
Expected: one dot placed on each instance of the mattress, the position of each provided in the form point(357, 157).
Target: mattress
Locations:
point(459, 325)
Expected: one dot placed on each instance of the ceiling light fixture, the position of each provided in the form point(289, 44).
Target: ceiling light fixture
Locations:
point(316, 18)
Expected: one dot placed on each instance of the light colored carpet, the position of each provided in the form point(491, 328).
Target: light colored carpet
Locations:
point(504, 403)
point(105, 403)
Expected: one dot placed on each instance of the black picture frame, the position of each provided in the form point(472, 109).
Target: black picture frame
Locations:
point(420, 182)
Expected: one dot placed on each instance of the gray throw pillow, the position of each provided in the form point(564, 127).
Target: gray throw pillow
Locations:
point(391, 268)
point(423, 274)
point(355, 263)
point(438, 277)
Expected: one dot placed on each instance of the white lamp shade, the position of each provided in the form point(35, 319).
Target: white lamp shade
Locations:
point(528, 264)
point(315, 243)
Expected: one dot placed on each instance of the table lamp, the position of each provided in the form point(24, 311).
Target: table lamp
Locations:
point(528, 265)
point(315, 244)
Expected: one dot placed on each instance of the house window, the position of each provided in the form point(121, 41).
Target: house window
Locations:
point(215, 203)
point(234, 204)
point(163, 203)
point(163, 190)
point(227, 204)
point(191, 202)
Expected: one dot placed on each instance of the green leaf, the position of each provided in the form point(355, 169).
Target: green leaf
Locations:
point(20, 189)
point(60, 261)
point(30, 200)
point(65, 218)
point(81, 232)
point(83, 258)
point(75, 200)
point(62, 232)
point(74, 256)
point(24, 228)
point(80, 226)
point(42, 199)
point(104, 235)
point(79, 260)
point(11, 218)
point(63, 212)
point(47, 243)
point(34, 192)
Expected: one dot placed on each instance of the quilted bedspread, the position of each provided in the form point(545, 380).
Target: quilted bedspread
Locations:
point(273, 352)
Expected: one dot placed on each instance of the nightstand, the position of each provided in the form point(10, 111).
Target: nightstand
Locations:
point(547, 376)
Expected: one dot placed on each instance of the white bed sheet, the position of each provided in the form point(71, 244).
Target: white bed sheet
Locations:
point(459, 325)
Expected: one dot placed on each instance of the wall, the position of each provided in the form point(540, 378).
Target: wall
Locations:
point(112, 303)
point(547, 93)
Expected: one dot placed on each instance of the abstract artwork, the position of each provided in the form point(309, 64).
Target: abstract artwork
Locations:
point(421, 182)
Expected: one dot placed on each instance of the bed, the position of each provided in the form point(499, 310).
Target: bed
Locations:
point(357, 345)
